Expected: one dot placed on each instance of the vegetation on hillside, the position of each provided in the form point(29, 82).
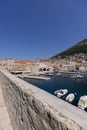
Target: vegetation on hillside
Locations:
point(81, 47)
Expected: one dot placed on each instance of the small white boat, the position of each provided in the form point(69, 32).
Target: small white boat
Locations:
point(79, 76)
point(82, 102)
point(73, 76)
point(70, 97)
point(50, 74)
point(59, 74)
point(61, 92)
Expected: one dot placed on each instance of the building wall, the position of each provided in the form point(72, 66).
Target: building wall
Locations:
point(31, 108)
point(37, 68)
point(83, 66)
point(83, 69)
point(68, 68)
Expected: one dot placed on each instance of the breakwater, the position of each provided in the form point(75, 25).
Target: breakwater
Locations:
point(31, 108)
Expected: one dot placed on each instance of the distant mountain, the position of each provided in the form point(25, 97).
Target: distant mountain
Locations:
point(79, 48)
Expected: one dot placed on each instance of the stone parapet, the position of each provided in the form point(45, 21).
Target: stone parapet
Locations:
point(31, 108)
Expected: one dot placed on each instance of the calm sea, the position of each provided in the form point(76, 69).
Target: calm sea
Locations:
point(78, 86)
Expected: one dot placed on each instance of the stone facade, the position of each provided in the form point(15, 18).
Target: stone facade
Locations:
point(31, 108)
point(83, 67)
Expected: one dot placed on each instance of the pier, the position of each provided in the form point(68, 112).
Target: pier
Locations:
point(34, 77)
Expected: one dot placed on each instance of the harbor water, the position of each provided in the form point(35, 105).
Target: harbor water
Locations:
point(77, 86)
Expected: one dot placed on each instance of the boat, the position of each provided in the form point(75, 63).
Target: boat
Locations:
point(61, 92)
point(77, 76)
point(58, 74)
point(83, 102)
point(49, 74)
point(70, 97)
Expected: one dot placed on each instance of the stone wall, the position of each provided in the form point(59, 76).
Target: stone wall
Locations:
point(31, 108)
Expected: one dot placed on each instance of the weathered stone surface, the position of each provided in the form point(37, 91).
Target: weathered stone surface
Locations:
point(31, 108)
point(5, 123)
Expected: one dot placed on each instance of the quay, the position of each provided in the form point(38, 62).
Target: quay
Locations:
point(34, 77)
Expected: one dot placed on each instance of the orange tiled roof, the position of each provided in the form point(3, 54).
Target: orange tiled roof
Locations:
point(16, 69)
point(23, 61)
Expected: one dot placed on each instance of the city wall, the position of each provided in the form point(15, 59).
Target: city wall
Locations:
point(31, 108)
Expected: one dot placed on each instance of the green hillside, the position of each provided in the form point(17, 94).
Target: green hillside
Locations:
point(81, 47)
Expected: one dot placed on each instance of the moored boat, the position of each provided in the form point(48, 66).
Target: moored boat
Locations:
point(61, 92)
point(83, 102)
point(77, 76)
point(58, 74)
point(70, 97)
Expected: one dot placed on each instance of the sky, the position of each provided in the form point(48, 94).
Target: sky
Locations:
point(34, 29)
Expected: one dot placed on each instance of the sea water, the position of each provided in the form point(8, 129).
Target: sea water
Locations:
point(78, 86)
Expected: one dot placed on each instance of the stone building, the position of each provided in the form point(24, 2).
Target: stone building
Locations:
point(68, 66)
point(7, 63)
point(83, 67)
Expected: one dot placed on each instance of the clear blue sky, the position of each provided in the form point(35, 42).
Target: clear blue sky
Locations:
point(31, 29)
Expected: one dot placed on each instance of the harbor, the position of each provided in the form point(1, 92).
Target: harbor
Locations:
point(74, 88)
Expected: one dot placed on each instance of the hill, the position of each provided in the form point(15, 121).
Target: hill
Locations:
point(79, 48)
